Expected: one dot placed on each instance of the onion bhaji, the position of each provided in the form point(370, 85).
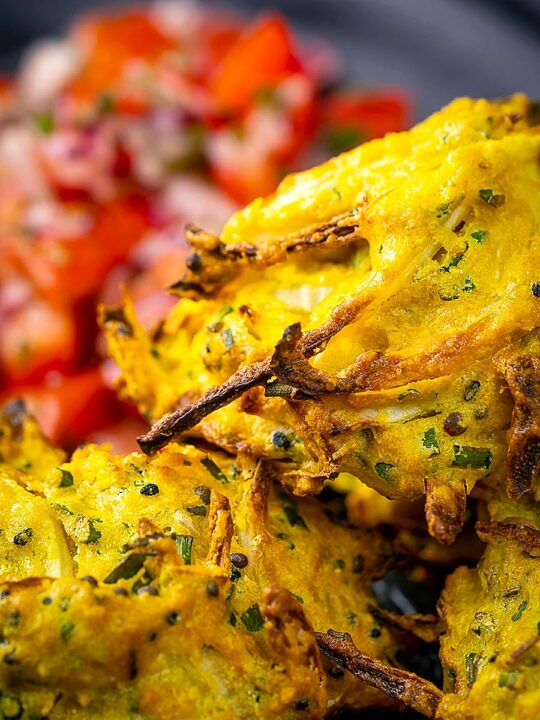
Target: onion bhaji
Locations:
point(357, 320)
point(141, 587)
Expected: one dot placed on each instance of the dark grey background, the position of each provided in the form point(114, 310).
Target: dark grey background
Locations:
point(436, 48)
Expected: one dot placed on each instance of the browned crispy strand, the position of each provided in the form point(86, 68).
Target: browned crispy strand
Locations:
point(522, 374)
point(408, 688)
point(525, 535)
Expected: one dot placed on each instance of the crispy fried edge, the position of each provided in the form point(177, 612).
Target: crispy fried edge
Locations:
point(410, 689)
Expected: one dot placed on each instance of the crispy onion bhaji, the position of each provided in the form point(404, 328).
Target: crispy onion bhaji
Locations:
point(352, 321)
point(185, 584)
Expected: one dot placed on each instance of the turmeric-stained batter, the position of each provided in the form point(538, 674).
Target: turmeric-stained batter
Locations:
point(353, 320)
point(136, 586)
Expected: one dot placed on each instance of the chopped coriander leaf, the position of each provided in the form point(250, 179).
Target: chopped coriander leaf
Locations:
point(290, 509)
point(443, 211)
point(126, 568)
point(199, 510)
point(479, 236)
point(430, 441)
point(215, 324)
point(453, 262)
point(184, 545)
point(471, 457)
point(67, 479)
point(519, 612)
point(491, 198)
point(469, 285)
point(470, 391)
point(215, 471)
point(94, 535)
point(252, 618)
point(383, 470)
point(509, 679)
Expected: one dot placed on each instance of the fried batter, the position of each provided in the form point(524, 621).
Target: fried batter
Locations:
point(185, 580)
point(352, 321)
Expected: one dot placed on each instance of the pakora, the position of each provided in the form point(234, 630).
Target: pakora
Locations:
point(135, 586)
point(351, 321)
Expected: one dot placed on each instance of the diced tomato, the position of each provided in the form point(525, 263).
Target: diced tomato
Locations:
point(245, 182)
point(261, 57)
point(35, 338)
point(349, 118)
point(68, 407)
point(68, 268)
point(109, 44)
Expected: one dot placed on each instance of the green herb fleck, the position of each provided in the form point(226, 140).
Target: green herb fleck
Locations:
point(184, 544)
point(469, 285)
point(199, 510)
point(509, 679)
point(67, 479)
point(471, 457)
point(215, 325)
point(383, 470)
point(453, 262)
point(338, 564)
point(66, 630)
point(337, 193)
point(519, 612)
point(126, 568)
point(252, 618)
point(281, 440)
point(290, 509)
point(489, 197)
point(299, 598)
point(470, 667)
point(479, 236)
point(470, 390)
point(430, 442)
point(215, 471)
point(94, 535)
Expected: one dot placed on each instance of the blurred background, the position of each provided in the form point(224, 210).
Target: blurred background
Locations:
point(436, 48)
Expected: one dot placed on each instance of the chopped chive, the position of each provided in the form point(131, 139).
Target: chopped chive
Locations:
point(383, 470)
point(471, 389)
point(184, 544)
point(430, 442)
point(126, 568)
point(519, 612)
point(471, 457)
point(215, 324)
point(215, 471)
point(67, 479)
point(470, 667)
point(199, 510)
point(252, 618)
